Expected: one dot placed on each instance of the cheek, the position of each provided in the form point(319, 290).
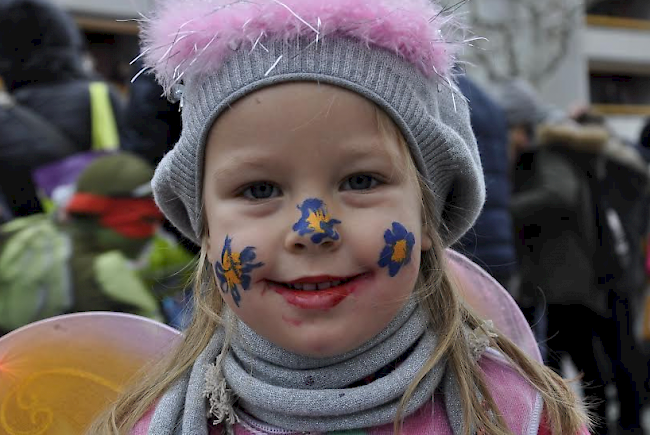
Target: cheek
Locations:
point(244, 231)
point(390, 243)
point(235, 265)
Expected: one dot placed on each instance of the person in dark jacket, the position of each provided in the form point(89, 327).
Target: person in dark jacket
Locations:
point(553, 213)
point(490, 243)
point(556, 233)
point(41, 64)
point(644, 136)
point(152, 124)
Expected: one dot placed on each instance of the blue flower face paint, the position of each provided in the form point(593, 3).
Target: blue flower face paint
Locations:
point(397, 252)
point(315, 220)
point(234, 269)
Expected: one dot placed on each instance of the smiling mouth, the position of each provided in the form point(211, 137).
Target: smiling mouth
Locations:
point(315, 283)
point(319, 293)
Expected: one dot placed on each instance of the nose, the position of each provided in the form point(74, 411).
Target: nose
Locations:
point(299, 244)
point(315, 231)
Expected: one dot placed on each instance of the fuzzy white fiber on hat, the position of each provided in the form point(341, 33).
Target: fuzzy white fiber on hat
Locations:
point(398, 54)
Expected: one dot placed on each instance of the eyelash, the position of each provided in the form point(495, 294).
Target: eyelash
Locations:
point(246, 192)
point(374, 180)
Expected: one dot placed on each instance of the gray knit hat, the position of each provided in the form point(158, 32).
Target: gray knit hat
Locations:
point(397, 54)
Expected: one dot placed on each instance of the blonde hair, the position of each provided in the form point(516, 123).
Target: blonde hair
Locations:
point(437, 293)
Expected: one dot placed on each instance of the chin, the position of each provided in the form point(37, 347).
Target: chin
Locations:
point(316, 343)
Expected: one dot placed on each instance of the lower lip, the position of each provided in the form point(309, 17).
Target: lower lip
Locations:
point(320, 299)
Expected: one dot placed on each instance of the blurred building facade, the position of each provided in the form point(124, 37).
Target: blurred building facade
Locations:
point(615, 41)
point(101, 8)
point(607, 62)
point(604, 58)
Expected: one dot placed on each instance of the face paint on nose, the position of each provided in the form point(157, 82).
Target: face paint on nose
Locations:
point(316, 221)
point(234, 269)
point(397, 252)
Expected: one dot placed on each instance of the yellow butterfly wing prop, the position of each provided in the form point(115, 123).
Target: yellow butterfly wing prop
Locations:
point(56, 375)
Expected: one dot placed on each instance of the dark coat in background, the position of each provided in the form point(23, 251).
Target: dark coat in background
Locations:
point(566, 189)
point(626, 187)
point(554, 216)
point(555, 208)
point(490, 243)
point(553, 212)
point(41, 57)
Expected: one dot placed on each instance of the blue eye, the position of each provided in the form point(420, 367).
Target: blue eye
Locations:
point(261, 190)
point(360, 182)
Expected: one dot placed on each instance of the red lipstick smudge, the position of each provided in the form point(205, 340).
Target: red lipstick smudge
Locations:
point(294, 322)
point(319, 299)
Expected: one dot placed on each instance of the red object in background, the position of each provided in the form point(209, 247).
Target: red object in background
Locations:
point(136, 218)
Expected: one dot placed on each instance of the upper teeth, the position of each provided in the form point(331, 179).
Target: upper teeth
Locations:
point(318, 286)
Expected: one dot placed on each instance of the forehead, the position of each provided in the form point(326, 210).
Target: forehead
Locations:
point(321, 118)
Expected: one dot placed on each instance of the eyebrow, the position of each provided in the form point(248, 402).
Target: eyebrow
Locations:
point(237, 164)
point(359, 151)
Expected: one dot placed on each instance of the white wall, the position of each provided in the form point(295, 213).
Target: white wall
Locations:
point(112, 8)
point(569, 84)
point(614, 45)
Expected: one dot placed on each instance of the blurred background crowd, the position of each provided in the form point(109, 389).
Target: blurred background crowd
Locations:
point(565, 227)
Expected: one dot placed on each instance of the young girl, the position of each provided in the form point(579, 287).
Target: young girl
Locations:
point(326, 162)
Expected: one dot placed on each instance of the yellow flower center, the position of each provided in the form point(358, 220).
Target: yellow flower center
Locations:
point(232, 269)
point(315, 219)
point(399, 251)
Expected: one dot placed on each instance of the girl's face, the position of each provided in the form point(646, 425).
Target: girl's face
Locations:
point(314, 218)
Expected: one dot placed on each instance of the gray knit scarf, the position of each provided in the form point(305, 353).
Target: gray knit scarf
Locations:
point(299, 393)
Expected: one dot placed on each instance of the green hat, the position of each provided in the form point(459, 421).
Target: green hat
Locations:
point(120, 174)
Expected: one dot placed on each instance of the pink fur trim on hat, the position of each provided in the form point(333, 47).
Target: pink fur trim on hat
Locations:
point(185, 38)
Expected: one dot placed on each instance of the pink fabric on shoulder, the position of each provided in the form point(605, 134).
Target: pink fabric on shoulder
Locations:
point(521, 405)
point(431, 419)
point(142, 426)
point(490, 300)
